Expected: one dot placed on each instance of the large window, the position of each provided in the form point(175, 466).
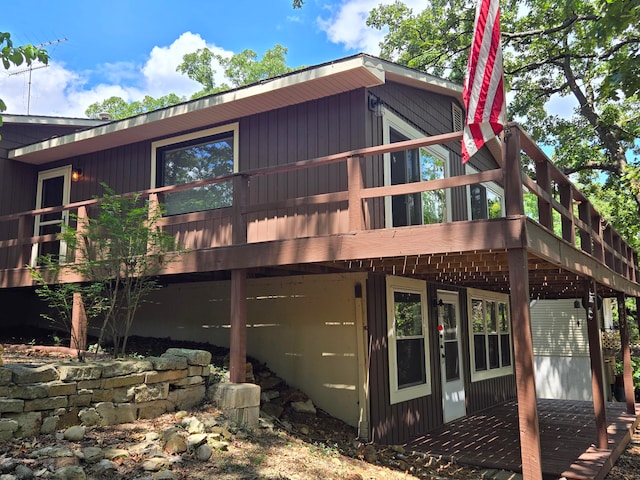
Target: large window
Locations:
point(485, 200)
point(204, 155)
point(408, 339)
point(490, 334)
point(422, 164)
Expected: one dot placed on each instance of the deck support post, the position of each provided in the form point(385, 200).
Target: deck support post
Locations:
point(520, 313)
point(595, 354)
point(524, 365)
point(238, 335)
point(78, 340)
point(626, 355)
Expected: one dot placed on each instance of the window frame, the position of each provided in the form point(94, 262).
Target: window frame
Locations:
point(490, 186)
point(232, 128)
point(406, 285)
point(392, 121)
point(484, 296)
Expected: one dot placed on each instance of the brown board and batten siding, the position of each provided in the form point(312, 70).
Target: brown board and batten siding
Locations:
point(395, 424)
point(309, 130)
point(18, 181)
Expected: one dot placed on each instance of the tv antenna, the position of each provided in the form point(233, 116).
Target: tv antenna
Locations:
point(31, 68)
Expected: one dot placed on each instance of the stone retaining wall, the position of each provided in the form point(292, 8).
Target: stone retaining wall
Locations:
point(38, 399)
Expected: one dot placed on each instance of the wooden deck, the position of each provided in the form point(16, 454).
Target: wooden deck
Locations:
point(490, 439)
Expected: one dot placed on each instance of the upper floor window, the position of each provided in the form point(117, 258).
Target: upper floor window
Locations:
point(198, 156)
point(417, 165)
point(484, 200)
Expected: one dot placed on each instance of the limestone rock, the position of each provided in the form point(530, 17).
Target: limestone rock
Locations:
point(88, 371)
point(304, 407)
point(22, 472)
point(165, 475)
point(155, 464)
point(194, 357)
point(105, 466)
point(92, 454)
point(111, 453)
point(168, 362)
point(204, 452)
point(196, 440)
point(23, 374)
point(175, 444)
point(75, 433)
point(70, 473)
point(89, 417)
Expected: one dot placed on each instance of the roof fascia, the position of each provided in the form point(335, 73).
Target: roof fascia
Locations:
point(46, 120)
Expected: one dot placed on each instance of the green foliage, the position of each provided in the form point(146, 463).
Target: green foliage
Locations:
point(118, 108)
point(11, 54)
point(241, 69)
point(118, 251)
point(58, 295)
point(583, 50)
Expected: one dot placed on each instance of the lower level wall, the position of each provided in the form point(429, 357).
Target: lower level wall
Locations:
point(43, 399)
point(563, 378)
point(303, 327)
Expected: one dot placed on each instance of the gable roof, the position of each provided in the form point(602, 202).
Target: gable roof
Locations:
point(358, 71)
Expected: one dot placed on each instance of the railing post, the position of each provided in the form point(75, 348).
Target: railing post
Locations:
point(543, 179)
point(568, 224)
point(586, 240)
point(81, 230)
point(355, 185)
point(240, 196)
point(521, 315)
point(24, 249)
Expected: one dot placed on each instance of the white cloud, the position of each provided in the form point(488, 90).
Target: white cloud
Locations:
point(57, 90)
point(346, 24)
point(160, 73)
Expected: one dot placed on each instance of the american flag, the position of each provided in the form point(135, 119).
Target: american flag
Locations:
point(483, 92)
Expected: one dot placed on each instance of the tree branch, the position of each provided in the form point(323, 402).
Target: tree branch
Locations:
point(548, 31)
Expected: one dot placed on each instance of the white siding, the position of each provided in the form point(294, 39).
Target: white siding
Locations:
point(559, 329)
point(302, 327)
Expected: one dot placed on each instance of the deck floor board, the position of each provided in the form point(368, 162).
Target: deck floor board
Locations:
point(490, 439)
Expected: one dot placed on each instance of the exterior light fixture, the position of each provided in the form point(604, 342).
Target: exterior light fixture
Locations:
point(76, 174)
point(376, 106)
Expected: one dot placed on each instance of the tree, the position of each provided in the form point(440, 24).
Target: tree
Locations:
point(17, 55)
point(121, 250)
point(240, 69)
point(118, 108)
point(584, 50)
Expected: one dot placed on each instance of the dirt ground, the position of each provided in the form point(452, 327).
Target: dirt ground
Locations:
point(297, 446)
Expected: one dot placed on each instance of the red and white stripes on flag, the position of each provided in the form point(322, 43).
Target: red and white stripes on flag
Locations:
point(483, 92)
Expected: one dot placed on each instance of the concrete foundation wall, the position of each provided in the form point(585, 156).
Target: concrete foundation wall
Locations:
point(302, 327)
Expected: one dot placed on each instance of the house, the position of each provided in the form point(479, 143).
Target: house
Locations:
point(335, 235)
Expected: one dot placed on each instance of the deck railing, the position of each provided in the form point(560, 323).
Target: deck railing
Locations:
point(560, 206)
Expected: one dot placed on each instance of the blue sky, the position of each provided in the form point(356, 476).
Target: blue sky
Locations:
point(130, 48)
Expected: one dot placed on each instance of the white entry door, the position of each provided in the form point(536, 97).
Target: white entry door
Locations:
point(453, 395)
point(53, 190)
